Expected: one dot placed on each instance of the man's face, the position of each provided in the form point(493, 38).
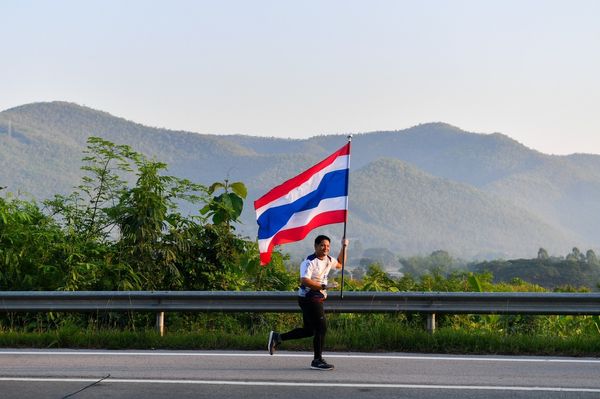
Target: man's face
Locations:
point(322, 249)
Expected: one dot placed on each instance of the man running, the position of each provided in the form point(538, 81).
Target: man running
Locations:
point(313, 274)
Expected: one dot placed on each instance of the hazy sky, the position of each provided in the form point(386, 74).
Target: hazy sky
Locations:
point(528, 69)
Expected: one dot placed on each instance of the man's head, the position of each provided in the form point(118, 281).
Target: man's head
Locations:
point(322, 246)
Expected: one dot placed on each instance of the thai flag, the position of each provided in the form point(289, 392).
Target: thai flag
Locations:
point(316, 197)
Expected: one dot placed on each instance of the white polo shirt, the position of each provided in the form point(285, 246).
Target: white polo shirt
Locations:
point(315, 269)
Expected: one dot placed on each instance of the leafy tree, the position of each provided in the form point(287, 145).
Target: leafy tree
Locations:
point(86, 211)
point(542, 254)
point(136, 227)
point(143, 216)
point(437, 262)
point(275, 276)
point(575, 255)
point(591, 258)
point(227, 207)
point(378, 280)
point(30, 246)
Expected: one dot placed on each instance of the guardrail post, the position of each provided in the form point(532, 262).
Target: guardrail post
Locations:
point(430, 323)
point(160, 323)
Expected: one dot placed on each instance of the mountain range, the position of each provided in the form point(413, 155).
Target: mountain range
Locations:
point(412, 191)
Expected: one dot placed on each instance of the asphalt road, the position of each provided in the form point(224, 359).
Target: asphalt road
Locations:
point(191, 374)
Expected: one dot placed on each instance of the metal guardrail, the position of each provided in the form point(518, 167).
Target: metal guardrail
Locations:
point(278, 301)
point(430, 303)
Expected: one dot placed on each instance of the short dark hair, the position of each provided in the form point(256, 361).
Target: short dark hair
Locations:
point(321, 238)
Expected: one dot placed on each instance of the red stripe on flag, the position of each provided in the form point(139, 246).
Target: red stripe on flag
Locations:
point(287, 186)
point(298, 233)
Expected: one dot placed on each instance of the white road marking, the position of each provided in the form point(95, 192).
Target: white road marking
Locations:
point(306, 384)
point(304, 355)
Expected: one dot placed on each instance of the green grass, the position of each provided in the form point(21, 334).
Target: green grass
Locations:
point(462, 334)
point(387, 338)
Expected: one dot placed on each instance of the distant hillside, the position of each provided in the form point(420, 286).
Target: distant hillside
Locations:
point(413, 191)
point(422, 213)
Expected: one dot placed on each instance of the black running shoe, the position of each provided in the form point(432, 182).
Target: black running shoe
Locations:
point(320, 364)
point(274, 341)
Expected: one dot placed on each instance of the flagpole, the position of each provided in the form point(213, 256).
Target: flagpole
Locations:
point(346, 218)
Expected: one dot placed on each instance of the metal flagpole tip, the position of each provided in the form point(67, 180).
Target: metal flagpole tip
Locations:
point(349, 137)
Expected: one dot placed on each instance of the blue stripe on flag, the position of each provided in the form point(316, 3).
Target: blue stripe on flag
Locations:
point(272, 220)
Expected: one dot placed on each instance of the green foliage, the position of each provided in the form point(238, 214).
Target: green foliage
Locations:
point(32, 247)
point(86, 212)
point(576, 270)
point(110, 234)
point(474, 283)
point(275, 276)
point(437, 262)
point(378, 280)
point(153, 233)
point(227, 207)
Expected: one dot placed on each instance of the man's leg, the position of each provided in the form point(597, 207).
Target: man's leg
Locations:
point(319, 340)
point(320, 328)
point(307, 330)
